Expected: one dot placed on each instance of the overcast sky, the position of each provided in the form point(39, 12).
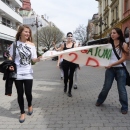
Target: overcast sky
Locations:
point(67, 15)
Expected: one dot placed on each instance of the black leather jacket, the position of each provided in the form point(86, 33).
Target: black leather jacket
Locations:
point(4, 68)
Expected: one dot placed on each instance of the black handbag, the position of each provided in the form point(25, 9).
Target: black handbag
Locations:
point(128, 79)
point(127, 73)
point(13, 74)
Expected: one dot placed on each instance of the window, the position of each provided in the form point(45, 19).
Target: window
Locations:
point(6, 1)
point(126, 35)
point(116, 12)
point(6, 22)
point(112, 14)
point(106, 3)
point(100, 7)
point(107, 23)
point(126, 5)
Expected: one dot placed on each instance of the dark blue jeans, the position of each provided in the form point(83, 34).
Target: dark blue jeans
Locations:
point(120, 75)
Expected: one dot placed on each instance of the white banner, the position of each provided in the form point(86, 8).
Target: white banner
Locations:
point(95, 55)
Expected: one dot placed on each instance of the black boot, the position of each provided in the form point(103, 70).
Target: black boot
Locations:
point(65, 89)
point(69, 94)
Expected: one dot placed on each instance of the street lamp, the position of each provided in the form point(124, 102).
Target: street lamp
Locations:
point(101, 22)
point(35, 23)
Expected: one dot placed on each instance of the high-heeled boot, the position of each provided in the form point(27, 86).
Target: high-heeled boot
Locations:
point(69, 94)
point(65, 89)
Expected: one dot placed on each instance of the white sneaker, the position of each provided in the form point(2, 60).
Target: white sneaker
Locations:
point(75, 86)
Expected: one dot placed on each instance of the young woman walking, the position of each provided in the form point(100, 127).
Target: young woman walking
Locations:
point(25, 52)
point(116, 70)
point(68, 67)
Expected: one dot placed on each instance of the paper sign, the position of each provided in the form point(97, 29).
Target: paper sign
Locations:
point(95, 55)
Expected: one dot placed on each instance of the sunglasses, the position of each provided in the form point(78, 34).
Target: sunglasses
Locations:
point(69, 36)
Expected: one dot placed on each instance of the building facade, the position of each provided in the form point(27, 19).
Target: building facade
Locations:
point(110, 15)
point(33, 20)
point(126, 22)
point(26, 5)
point(114, 13)
point(10, 19)
point(92, 28)
point(30, 17)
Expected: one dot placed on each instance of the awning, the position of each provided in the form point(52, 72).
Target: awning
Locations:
point(7, 37)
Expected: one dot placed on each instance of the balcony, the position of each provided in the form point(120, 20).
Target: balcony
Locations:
point(7, 32)
point(16, 3)
point(19, 2)
point(10, 12)
point(126, 13)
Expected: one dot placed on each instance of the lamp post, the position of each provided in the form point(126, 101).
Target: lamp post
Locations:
point(35, 23)
point(101, 22)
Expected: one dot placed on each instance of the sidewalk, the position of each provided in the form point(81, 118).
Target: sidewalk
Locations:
point(54, 110)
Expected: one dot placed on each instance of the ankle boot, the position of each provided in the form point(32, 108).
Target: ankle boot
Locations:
point(65, 89)
point(69, 94)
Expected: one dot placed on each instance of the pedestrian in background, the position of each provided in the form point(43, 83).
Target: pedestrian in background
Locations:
point(68, 67)
point(116, 70)
point(76, 70)
point(76, 76)
point(25, 52)
point(59, 63)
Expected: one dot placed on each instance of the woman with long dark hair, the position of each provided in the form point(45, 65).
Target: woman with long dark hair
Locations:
point(116, 70)
point(25, 52)
point(68, 67)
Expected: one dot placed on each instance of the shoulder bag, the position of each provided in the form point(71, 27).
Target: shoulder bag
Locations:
point(13, 74)
point(127, 73)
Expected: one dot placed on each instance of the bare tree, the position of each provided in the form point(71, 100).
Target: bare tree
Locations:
point(48, 34)
point(81, 34)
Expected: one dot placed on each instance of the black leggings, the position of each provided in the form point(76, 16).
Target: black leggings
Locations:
point(22, 85)
point(68, 74)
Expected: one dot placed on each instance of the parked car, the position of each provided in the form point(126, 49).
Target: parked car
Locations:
point(55, 58)
point(98, 41)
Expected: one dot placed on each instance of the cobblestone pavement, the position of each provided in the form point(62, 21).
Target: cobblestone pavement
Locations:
point(54, 110)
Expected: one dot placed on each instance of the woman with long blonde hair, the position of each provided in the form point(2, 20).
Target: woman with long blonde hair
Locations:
point(25, 52)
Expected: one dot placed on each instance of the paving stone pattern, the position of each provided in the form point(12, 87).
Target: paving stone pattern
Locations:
point(54, 110)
